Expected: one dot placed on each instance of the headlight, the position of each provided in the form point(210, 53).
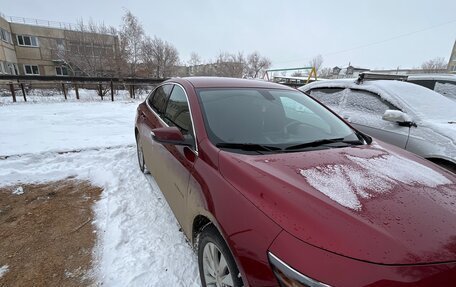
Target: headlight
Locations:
point(288, 277)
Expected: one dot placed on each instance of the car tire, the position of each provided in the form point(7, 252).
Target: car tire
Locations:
point(213, 251)
point(139, 152)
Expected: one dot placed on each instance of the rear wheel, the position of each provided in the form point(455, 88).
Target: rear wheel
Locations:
point(216, 264)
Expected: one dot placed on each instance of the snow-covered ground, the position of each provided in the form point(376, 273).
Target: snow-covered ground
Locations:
point(139, 242)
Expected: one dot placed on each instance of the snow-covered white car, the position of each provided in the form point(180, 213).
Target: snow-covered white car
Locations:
point(400, 113)
point(443, 84)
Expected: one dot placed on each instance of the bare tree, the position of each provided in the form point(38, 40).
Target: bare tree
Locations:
point(298, 74)
point(316, 62)
point(434, 65)
point(229, 65)
point(195, 59)
point(325, 73)
point(195, 65)
point(89, 50)
point(159, 57)
point(256, 65)
point(131, 37)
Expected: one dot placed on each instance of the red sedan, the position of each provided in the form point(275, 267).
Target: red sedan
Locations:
point(274, 189)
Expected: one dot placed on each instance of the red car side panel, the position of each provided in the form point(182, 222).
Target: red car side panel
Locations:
point(246, 229)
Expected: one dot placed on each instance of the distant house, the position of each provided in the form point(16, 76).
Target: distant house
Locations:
point(336, 71)
point(355, 71)
point(347, 72)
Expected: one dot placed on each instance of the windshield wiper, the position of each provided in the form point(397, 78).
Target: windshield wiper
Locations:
point(248, 146)
point(323, 142)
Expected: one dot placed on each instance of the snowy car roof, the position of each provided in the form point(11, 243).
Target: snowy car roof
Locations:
point(410, 98)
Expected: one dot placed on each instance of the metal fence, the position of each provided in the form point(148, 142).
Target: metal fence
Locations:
point(18, 84)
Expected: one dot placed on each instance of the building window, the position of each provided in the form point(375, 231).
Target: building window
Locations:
point(2, 68)
point(61, 71)
point(29, 41)
point(6, 36)
point(31, 70)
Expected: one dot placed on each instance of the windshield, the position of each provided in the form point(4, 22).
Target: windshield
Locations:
point(447, 89)
point(268, 117)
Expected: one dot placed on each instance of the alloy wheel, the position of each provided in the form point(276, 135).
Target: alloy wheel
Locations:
point(216, 271)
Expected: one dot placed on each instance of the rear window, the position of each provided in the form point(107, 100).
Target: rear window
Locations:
point(446, 89)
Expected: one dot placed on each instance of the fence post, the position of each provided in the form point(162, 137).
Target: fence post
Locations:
point(76, 89)
point(130, 91)
point(23, 92)
point(112, 91)
point(100, 91)
point(64, 91)
point(13, 93)
point(133, 91)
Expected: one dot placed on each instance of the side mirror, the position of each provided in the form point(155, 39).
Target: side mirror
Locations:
point(171, 135)
point(398, 117)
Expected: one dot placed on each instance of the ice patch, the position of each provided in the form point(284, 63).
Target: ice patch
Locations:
point(3, 270)
point(19, 191)
point(367, 177)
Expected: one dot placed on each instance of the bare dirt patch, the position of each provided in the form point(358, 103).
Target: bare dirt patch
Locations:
point(46, 235)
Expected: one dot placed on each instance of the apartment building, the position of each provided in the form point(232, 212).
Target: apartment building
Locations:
point(452, 61)
point(8, 59)
point(37, 47)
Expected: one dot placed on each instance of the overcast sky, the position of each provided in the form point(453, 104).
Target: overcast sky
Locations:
point(371, 34)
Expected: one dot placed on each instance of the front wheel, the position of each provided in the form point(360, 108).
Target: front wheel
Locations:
point(139, 152)
point(216, 264)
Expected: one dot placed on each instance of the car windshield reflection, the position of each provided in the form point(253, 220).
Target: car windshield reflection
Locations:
point(270, 120)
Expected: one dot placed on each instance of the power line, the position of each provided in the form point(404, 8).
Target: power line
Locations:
point(378, 42)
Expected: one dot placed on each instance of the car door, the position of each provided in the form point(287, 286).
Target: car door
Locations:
point(151, 119)
point(171, 162)
point(364, 110)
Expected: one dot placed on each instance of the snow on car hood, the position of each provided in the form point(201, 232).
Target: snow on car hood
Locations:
point(367, 177)
point(395, 207)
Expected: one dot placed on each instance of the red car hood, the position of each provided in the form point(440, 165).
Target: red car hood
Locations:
point(375, 203)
